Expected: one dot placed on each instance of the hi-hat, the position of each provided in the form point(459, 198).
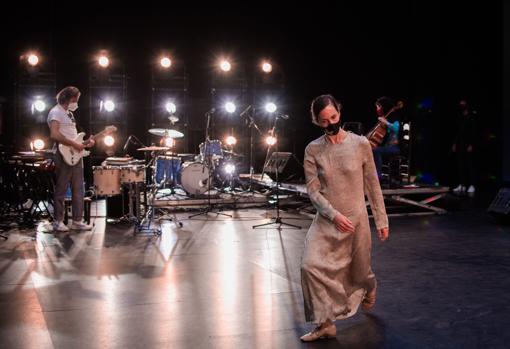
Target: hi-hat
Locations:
point(163, 132)
point(153, 148)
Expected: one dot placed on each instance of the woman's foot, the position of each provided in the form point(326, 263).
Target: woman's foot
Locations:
point(323, 331)
point(369, 301)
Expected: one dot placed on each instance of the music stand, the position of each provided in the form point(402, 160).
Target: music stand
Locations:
point(276, 164)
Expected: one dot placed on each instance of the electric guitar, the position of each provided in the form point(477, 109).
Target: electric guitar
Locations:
point(72, 156)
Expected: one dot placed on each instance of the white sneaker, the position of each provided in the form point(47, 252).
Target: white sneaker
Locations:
point(471, 189)
point(81, 226)
point(60, 226)
point(460, 188)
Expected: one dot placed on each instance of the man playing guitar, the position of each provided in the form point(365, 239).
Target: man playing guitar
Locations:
point(63, 130)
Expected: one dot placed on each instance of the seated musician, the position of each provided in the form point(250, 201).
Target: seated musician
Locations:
point(390, 143)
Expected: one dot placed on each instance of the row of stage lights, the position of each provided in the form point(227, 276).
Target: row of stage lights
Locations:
point(171, 108)
point(108, 105)
point(165, 62)
point(109, 141)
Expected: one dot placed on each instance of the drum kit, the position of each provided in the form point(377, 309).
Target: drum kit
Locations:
point(194, 175)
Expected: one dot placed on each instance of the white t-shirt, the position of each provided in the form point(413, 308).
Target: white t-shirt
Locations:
point(66, 121)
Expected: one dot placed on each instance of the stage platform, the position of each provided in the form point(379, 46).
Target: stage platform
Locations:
point(218, 283)
point(414, 199)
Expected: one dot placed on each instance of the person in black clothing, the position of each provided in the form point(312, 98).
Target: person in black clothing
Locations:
point(463, 147)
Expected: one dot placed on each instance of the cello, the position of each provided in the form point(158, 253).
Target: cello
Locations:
point(376, 135)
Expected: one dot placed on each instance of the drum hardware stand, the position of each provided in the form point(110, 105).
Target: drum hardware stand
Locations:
point(208, 158)
point(251, 125)
point(172, 184)
point(277, 162)
point(144, 224)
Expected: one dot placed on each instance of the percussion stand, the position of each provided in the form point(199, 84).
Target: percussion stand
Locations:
point(144, 225)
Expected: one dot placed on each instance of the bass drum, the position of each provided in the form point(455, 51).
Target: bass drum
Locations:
point(195, 178)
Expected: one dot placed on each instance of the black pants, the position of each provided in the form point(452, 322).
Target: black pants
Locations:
point(465, 169)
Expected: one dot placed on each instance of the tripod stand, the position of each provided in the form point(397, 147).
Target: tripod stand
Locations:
point(276, 164)
point(208, 160)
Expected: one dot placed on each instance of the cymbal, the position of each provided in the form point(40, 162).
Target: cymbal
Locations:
point(163, 132)
point(153, 148)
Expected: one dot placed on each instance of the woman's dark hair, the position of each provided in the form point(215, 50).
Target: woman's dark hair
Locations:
point(386, 103)
point(65, 95)
point(321, 102)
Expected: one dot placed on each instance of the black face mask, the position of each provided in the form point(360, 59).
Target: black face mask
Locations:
point(332, 129)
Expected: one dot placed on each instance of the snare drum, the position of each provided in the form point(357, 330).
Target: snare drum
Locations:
point(168, 169)
point(132, 174)
point(195, 177)
point(106, 180)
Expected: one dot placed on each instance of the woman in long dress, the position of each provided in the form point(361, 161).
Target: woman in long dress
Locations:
point(336, 275)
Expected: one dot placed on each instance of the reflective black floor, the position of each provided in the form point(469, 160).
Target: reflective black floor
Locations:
point(444, 282)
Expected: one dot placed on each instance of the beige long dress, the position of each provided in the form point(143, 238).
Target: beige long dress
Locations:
point(335, 270)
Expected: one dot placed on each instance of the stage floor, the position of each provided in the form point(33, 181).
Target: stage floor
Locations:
point(218, 283)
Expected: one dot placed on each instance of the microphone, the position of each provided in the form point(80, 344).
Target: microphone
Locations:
point(284, 116)
point(245, 111)
point(211, 111)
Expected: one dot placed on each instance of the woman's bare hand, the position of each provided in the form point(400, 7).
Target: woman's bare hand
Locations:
point(383, 234)
point(343, 224)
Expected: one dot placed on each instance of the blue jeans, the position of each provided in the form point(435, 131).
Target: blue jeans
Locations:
point(381, 152)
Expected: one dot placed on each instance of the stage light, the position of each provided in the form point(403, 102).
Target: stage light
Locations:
point(270, 140)
point(109, 141)
point(170, 107)
point(39, 106)
point(270, 107)
point(38, 144)
point(229, 168)
point(267, 67)
point(225, 66)
point(231, 140)
point(33, 59)
point(107, 105)
point(406, 127)
point(230, 107)
point(165, 62)
point(103, 61)
point(169, 142)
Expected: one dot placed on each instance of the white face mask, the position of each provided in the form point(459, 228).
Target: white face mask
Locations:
point(73, 106)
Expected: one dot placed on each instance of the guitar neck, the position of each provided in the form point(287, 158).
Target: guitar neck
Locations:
point(98, 134)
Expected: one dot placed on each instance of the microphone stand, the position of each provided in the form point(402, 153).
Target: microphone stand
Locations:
point(251, 125)
point(278, 219)
point(208, 156)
